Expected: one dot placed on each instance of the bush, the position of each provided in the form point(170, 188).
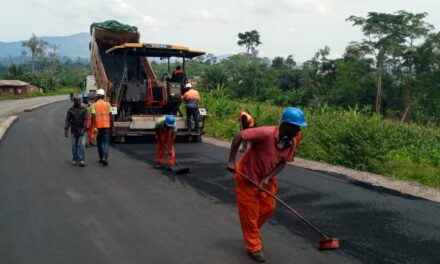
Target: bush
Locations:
point(351, 138)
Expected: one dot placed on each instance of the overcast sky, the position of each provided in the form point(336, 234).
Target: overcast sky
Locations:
point(298, 27)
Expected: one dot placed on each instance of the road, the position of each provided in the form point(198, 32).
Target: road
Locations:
point(51, 212)
point(11, 107)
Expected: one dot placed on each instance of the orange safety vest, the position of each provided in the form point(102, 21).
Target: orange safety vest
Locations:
point(191, 98)
point(249, 118)
point(102, 115)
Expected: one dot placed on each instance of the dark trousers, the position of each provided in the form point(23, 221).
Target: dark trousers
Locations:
point(192, 112)
point(103, 142)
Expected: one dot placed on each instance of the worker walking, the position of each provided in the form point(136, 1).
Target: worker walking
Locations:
point(246, 121)
point(76, 119)
point(102, 119)
point(271, 147)
point(165, 135)
point(191, 99)
point(90, 129)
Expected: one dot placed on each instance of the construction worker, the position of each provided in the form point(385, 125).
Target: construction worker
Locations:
point(165, 135)
point(102, 119)
point(271, 148)
point(179, 76)
point(246, 121)
point(90, 128)
point(76, 119)
point(191, 99)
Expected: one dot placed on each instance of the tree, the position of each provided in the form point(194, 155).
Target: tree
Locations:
point(290, 62)
point(249, 39)
point(210, 59)
point(278, 63)
point(413, 29)
point(37, 48)
point(383, 37)
point(16, 71)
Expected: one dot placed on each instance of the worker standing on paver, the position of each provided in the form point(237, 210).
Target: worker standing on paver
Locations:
point(165, 135)
point(76, 119)
point(271, 147)
point(102, 119)
point(191, 99)
point(90, 129)
point(246, 121)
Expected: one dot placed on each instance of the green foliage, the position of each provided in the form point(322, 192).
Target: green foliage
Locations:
point(353, 138)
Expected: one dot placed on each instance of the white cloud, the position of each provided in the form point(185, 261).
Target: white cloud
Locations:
point(286, 26)
point(213, 14)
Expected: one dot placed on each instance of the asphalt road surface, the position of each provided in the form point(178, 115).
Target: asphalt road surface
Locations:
point(52, 212)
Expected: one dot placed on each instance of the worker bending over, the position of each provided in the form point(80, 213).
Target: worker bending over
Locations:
point(246, 121)
point(165, 135)
point(191, 99)
point(271, 147)
point(102, 119)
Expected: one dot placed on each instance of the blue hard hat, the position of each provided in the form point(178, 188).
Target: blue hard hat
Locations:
point(85, 95)
point(170, 121)
point(293, 115)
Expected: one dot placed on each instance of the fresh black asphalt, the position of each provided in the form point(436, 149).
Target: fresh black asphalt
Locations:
point(52, 212)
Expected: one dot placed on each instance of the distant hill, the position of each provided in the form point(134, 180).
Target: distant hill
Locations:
point(73, 46)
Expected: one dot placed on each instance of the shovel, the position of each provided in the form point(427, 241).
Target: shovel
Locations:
point(326, 243)
point(180, 170)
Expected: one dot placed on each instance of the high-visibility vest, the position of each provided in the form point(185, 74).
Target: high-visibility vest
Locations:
point(250, 120)
point(191, 98)
point(102, 114)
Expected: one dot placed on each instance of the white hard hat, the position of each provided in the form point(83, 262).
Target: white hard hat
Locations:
point(100, 92)
point(188, 85)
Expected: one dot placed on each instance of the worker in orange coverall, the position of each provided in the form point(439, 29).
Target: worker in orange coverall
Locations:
point(271, 147)
point(165, 134)
point(90, 128)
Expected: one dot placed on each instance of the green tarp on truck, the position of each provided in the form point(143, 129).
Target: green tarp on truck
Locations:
point(114, 25)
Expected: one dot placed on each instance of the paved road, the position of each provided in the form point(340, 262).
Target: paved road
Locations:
point(51, 212)
point(11, 107)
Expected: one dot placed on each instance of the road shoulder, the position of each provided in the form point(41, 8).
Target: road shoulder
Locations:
point(5, 123)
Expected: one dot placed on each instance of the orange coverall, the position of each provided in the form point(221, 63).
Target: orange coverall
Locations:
point(89, 129)
point(166, 137)
point(254, 208)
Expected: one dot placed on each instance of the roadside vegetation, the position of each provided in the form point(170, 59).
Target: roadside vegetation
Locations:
point(353, 138)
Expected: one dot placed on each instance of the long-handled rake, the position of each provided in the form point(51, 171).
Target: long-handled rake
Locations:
point(327, 243)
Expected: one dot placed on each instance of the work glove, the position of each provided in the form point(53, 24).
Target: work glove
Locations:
point(231, 166)
point(66, 133)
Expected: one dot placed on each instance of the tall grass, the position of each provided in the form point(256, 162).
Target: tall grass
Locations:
point(351, 138)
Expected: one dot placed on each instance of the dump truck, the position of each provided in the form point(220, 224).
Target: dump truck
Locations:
point(120, 65)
